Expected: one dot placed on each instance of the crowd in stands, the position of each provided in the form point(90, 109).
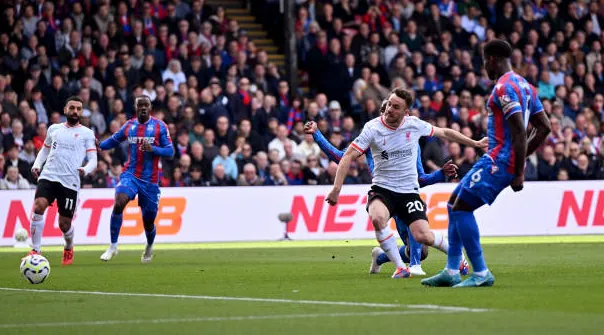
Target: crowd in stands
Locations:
point(231, 114)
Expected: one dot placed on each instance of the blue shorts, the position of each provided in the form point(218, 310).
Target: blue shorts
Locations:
point(483, 183)
point(148, 193)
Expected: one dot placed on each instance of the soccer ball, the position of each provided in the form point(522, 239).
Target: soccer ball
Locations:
point(21, 235)
point(35, 269)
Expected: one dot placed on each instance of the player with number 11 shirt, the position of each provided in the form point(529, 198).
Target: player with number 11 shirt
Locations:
point(60, 160)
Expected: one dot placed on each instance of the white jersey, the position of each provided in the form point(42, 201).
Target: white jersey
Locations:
point(394, 152)
point(68, 147)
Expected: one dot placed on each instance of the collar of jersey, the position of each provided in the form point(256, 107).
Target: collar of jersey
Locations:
point(388, 127)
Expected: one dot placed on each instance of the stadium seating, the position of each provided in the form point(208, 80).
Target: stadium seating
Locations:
point(214, 70)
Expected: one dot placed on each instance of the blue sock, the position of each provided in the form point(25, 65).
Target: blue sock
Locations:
point(455, 245)
point(115, 226)
point(415, 251)
point(470, 237)
point(150, 236)
point(149, 219)
point(383, 258)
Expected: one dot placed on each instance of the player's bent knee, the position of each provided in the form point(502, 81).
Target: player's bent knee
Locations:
point(421, 232)
point(379, 214)
point(64, 223)
point(379, 222)
point(40, 205)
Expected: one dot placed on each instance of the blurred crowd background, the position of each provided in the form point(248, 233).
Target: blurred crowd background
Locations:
point(231, 114)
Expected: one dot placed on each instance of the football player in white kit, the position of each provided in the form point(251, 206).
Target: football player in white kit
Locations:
point(394, 140)
point(65, 147)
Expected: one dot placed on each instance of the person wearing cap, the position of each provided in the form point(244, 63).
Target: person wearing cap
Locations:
point(334, 118)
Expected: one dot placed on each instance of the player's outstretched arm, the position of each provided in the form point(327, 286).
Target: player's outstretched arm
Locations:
point(455, 136)
point(332, 152)
point(427, 179)
point(518, 132)
point(116, 138)
point(542, 128)
point(343, 167)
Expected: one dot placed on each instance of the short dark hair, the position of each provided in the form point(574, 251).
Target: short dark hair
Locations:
point(74, 98)
point(498, 48)
point(141, 97)
point(403, 94)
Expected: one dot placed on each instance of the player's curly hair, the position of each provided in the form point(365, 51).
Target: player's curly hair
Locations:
point(403, 94)
point(498, 49)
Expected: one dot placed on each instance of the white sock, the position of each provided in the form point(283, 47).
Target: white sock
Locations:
point(452, 272)
point(68, 236)
point(440, 242)
point(36, 228)
point(113, 246)
point(388, 243)
point(481, 273)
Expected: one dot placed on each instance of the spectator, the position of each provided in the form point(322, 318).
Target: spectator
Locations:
point(275, 177)
point(547, 168)
point(295, 176)
point(195, 178)
point(12, 159)
point(13, 180)
point(279, 142)
point(226, 162)
point(249, 177)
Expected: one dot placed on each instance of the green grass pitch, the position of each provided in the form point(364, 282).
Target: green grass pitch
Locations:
point(548, 286)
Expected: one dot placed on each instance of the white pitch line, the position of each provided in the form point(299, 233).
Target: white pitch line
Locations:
point(213, 318)
point(250, 299)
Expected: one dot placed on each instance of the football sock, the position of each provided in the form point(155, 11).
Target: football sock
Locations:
point(150, 236)
point(470, 237)
point(440, 242)
point(388, 243)
point(415, 251)
point(36, 228)
point(116, 225)
point(68, 236)
point(455, 254)
point(383, 258)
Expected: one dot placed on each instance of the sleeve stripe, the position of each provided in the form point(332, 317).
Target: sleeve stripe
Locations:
point(46, 145)
point(510, 106)
point(357, 148)
point(89, 150)
point(431, 131)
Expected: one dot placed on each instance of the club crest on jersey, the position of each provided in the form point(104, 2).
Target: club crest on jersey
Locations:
point(76, 136)
point(408, 136)
point(133, 127)
point(150, 127)
point(504, 99)
point(384, 143)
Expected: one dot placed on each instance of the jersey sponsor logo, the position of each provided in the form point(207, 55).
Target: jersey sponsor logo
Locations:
point(141, 140)
point(397, 154)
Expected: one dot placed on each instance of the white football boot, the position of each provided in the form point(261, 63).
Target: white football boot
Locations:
point(147, 256)
point(375, 268)
point(109, 254)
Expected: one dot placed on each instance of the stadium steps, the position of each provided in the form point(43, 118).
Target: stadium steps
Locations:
point(235, 9)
